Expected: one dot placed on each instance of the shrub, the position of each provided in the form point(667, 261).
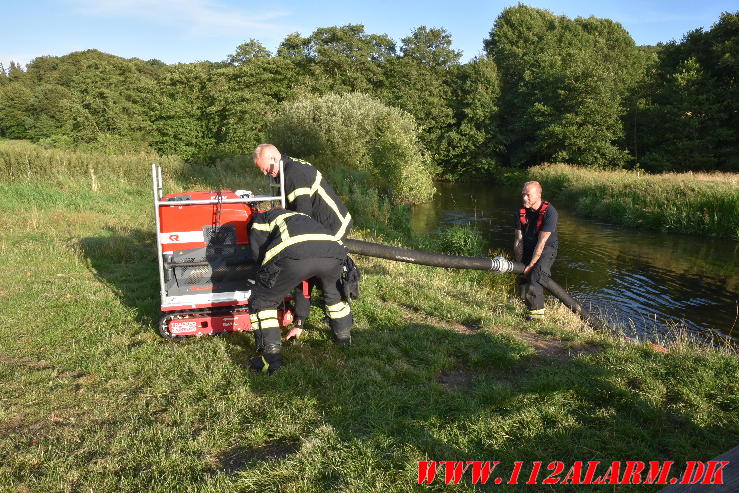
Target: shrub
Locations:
point(458, 240)
point(370, 209)
point(359, 132)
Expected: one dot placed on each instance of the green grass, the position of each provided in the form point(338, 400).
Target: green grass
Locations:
point(443, 367)
point(694, 203)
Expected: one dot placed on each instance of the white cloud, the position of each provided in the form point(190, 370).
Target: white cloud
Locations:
point(201, 17)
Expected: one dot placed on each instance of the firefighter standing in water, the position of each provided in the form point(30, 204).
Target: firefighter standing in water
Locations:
point(289, 247)
point(308, 192)
point(535, 246)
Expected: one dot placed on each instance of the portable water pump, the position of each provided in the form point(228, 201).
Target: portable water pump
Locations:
point(205, 263)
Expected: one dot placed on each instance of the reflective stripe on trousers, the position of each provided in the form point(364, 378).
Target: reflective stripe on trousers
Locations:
point(264, 320)
point(338, 310)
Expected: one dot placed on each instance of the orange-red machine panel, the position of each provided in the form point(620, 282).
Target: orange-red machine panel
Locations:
point(181, 226)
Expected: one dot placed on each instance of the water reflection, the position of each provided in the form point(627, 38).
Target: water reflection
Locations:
point(643, 280)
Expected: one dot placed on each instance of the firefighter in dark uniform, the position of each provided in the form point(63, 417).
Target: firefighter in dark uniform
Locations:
point(289, 247)
point(306, 191)
point(535, 246)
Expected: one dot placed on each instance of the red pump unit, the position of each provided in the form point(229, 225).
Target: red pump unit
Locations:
point(205, 265)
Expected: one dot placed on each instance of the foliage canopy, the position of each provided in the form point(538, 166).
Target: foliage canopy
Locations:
point(548, 88)
point(357, 131)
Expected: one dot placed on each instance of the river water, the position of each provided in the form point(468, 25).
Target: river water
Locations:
point(643, 282)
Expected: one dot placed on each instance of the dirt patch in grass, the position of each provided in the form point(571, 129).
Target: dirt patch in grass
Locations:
point(25, 362)
point(39, 365)
point(545, 346)
point(29, 426)
point(412, 315)
point(554, 348)
point(41, 425)
point(237, 458)
point(453, 380)
point(16, 423)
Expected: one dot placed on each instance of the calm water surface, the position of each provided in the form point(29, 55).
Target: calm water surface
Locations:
point(642, 281)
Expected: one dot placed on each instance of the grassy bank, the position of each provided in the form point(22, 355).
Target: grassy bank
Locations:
point(443, 367)
point(694, 203)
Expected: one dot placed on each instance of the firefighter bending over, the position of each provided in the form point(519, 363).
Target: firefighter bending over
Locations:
point(535, 246)
point(289, 247)
point(306, 191)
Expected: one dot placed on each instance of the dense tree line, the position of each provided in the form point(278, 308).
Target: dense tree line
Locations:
point(687, 111)
point(548, 88)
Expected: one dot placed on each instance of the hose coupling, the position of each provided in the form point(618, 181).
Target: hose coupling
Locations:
point(501, 265)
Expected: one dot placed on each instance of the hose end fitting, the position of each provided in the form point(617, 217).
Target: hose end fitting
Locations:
point(501, 265)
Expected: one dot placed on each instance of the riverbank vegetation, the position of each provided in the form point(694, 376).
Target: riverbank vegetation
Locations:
point(546, 88)
point(443, 365)
point(697, 203)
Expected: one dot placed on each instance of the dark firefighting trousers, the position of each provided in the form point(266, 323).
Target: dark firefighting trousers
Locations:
point(276, 281)
point(530, 288)
point(302, 296)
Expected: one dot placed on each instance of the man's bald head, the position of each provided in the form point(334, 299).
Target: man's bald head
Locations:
point(267, 159)
point(531, 194)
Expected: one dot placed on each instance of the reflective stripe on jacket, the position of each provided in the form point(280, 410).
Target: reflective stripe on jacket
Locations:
point(307, 191)
point(277, 233)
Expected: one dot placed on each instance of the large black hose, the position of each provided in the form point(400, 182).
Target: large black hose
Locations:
point(498, 265)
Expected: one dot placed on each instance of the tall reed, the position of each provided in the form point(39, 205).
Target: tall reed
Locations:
point(694, 203)
point(77, 173)
point(24, 161)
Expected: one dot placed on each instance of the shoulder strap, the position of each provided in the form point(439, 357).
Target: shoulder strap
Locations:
point(540, 219)
point(522, 216)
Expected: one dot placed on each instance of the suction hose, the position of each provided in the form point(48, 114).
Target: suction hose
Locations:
point(498, 265)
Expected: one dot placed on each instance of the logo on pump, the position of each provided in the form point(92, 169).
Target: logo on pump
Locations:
point(180, 327)
point(181, 237)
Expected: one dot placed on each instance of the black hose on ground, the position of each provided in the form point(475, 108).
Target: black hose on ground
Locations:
point(498, 265)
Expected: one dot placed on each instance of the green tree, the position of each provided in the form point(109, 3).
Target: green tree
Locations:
point(15, 106)
point(248, 51)
point(91, 99)
point(15, 72)
point(179, 115)
point(690, 119)
point(636, 101)
point(563, 86)
point(431, 47)
point(475, 144)
point(48, 112)
point(340, 59)
point(420, 82)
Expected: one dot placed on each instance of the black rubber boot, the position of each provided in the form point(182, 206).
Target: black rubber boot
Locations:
point(343, 338)
point(266, 363)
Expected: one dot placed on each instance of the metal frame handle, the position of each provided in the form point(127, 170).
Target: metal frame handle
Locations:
point(157, 193)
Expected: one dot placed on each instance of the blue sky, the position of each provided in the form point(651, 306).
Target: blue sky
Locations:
point(192, 30)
